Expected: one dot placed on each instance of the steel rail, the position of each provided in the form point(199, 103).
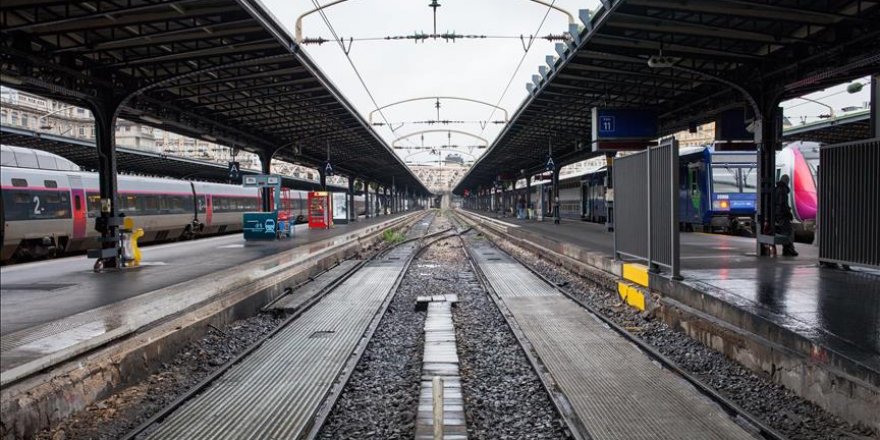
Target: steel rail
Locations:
point(731, 408)
point(560, 401)
point(329, 402)
point(211, 378)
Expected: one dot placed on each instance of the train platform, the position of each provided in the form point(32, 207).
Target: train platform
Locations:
point(782, 315)
point(54, 310)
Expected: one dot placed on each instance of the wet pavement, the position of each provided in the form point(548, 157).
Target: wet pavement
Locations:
point(831, 307)
point(58, 304)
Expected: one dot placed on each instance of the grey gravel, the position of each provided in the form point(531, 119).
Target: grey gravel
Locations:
point(504, 397)
point(115, 416)
point(380, 399)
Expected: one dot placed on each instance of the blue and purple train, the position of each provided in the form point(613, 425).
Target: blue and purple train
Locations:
point(717, 189)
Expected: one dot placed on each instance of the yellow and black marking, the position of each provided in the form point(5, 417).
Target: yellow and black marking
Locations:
point(633, 289)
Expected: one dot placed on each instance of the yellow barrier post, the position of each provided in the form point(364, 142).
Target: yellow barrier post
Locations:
point(131, 254)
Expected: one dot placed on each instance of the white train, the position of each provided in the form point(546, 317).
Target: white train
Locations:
point(48, 207)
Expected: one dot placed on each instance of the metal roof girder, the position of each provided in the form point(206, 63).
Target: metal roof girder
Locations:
point(207, 52)
point(101, 21)
point(544, 71)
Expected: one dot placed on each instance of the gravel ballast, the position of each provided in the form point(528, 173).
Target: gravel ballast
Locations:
point(114, 417)
point(381, 397)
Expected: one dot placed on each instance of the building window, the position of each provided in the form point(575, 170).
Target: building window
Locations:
point(14, 118)
point(24, 121)
point(82, 131)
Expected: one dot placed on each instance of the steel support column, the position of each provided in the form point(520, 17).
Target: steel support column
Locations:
point(557, 217)
point(528, 193)
point(768, 134)
point(875, 106)
point(109, 254)
point(266, 169)
point(367, 205)
point(322, 175)
point(352, 212)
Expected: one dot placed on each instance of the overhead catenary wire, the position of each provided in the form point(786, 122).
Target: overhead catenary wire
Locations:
point(519, 65)
point(447, 37)
point(351, 62)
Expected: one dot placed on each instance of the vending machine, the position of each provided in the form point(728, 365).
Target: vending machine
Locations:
point(320, 210)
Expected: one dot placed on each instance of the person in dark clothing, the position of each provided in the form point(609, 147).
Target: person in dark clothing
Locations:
point(783, 216)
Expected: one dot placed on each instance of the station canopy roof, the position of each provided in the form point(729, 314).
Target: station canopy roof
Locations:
point(220, 70)
point(784, 47)
point(137, 162)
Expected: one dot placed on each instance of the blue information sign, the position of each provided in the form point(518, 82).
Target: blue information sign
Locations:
point(619, 129)
point(260, 225)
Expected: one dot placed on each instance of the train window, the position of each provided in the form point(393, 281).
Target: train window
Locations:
point(50, 184)
point(19, 183)
point(202, 204)
point(77, 203)
point(93, 201)
point(35, 205)
point(724, 180)
point(749, 179)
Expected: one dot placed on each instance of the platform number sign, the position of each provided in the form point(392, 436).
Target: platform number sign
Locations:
point(550, 164)
point(234, 169)
point(606, 124)
point(328, 169)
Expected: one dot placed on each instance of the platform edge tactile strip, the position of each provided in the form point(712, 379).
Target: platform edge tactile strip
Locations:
point(616, 390)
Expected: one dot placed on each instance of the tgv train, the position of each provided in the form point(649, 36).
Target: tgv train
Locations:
point(49, 207)
point(717, 189)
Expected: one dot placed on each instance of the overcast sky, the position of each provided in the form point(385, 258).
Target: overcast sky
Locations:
point(475, 69)
point(398, 70)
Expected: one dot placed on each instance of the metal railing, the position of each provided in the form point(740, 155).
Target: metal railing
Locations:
point(849, 203)
point(646, 206)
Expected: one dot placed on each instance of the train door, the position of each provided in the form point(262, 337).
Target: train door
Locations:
point(209, 209)
point(80, 210)
point(694, 194)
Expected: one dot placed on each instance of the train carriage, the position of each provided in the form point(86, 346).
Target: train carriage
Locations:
point(48, 206)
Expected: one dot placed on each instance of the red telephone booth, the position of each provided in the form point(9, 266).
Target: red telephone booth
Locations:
point(320, 210)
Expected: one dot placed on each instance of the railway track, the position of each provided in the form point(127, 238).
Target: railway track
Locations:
point(561, 401)
point(398, 255)
point(243, 400)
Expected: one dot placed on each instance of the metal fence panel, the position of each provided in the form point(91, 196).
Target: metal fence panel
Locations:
point(630, 200)
point(646, 206)
point(849, 203)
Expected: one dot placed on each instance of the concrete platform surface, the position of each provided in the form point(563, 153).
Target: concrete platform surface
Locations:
point(53, 305)
point(831, 307)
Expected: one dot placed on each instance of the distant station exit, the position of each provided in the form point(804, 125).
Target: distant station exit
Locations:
point(276, 222)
